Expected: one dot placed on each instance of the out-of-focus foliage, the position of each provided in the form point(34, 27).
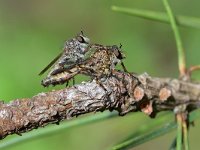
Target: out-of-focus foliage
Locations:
point(32, 33)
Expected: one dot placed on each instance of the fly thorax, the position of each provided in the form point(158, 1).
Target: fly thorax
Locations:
point(83, 48)
point(78, 57)
point(70, 44)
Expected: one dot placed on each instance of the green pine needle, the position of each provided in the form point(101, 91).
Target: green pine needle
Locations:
point(145, 136)
point(181, 53)
point(185, 21)
point(135, 141)
point(56, 129)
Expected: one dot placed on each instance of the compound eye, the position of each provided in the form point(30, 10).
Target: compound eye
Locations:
point(81, 39)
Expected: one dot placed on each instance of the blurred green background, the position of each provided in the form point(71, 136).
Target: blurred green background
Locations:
point(32, 33)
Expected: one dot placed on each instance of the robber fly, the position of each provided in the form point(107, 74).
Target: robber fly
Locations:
point(74, 51)
point(99, 65)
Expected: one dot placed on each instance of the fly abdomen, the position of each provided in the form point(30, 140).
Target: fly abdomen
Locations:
point(60, 78)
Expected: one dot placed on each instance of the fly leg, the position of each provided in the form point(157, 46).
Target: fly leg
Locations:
point(123, 66)
point(73, 81)
point(67, 83)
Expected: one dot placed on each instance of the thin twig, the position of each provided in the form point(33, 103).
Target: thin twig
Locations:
point(179, 136)
point(185, 135)
point(194, 68)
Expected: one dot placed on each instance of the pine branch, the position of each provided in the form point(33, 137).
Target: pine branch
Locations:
point(122, 92)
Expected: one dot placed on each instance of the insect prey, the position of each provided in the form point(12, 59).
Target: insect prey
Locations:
point(74, 52)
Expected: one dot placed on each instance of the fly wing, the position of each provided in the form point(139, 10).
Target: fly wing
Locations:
point(50, 64)
point(92, 49)
point(69, 63)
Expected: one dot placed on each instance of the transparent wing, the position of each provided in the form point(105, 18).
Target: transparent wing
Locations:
point(50, 64)
point(91, 51)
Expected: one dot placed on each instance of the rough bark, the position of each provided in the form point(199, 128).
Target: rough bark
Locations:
point(122, 92)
